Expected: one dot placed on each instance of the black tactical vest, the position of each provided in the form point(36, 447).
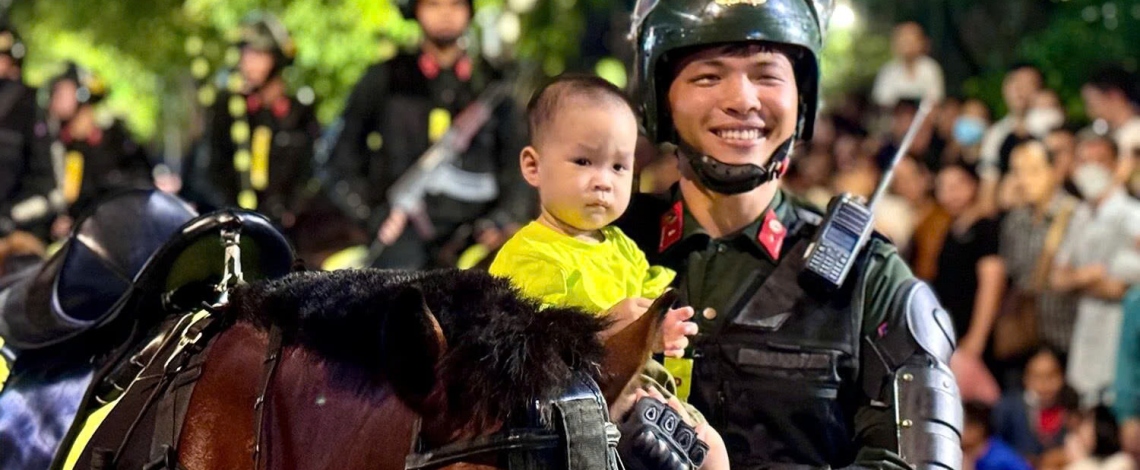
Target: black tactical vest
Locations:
point(779, 379)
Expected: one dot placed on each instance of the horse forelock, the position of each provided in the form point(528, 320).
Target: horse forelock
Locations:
point(502, 352)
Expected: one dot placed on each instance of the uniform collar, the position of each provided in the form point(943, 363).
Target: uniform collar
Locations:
point(280, 107)
point(431, 68)
point(766, 233)
point(94, 138)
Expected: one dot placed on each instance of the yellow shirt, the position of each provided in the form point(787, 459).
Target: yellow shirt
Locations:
point(564, 271)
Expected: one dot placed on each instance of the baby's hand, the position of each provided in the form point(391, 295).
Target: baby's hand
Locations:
point(674, 331)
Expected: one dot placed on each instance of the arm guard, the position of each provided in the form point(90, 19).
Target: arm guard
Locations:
point(906, 368)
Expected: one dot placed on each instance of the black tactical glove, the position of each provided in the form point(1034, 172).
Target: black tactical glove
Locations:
point(653, 437)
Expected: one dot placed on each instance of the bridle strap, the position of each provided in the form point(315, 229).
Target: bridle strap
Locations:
point(272, 359)
point(513, 440)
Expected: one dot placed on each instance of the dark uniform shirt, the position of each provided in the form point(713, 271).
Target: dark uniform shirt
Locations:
point(258, 155)
point(764, 397)
point(105, 161)
point(393, 116)
point(25, 163)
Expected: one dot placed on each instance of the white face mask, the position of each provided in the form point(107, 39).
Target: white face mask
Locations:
point(1092, 180)
point(1039, 121)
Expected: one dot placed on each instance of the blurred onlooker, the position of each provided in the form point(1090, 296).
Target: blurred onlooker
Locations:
point(1045, 114)
point(969, 129)
point(656, 169)
point(1096, 444)
point(929, 235)
point(1126, 387)
point(911, 74)
point(942, 119)
point(1062, 145)
point(1020, 87)
point(908, 203)
point(971, 274)
point(1111, 96)
point(1031, 235)
point(981, 450)
point(809, 177)
point(1031, 418)
point(902, 118)
point(1098, 261)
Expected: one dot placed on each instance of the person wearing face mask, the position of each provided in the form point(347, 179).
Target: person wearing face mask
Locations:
point(1019, 88)
point(968, 131)
point(1045, 114)
point(791, 375)
point(1098, 261)
point(1111, 97)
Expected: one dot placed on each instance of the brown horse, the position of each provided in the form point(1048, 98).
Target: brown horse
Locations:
point(360, 369)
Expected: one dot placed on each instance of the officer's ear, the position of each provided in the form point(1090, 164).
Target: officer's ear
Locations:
point(528, 162)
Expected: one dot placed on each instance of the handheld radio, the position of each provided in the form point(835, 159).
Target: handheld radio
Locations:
point(848, 223)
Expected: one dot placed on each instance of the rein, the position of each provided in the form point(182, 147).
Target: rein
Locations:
point(272, 359)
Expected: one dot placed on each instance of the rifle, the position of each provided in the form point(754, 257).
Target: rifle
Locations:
point(407, 193)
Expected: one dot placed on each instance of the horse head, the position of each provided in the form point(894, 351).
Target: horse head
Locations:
point(451, 368)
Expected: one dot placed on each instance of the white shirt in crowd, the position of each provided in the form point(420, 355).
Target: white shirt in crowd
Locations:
point(989, 156)
point(895, 81)
point(1105, 236)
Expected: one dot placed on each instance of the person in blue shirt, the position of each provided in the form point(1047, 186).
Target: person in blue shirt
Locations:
point(981, 450)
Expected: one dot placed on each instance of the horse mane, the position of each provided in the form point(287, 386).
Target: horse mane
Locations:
point(504, 351)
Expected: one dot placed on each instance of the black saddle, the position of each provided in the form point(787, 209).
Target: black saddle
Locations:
point(140, 251)
point(88, 278)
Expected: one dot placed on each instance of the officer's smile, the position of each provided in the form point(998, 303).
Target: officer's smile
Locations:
point(740, 136)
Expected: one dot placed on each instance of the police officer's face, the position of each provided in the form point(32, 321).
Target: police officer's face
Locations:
point(582, 165)
point(443, 21)
point(63, 100)
point(256, 66)
point(736, 104)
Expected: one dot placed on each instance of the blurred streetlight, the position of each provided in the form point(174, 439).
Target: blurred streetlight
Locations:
point(844, 17)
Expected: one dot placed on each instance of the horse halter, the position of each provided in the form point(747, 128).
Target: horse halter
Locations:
point(577, 435)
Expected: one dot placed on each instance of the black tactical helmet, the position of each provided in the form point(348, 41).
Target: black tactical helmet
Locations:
point(264, 32)
point(90, 88)
point(662, 28)
point(10, 43)
point(408, 8)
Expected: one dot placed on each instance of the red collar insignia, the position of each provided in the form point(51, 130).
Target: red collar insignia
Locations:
point(672, 223)
point(431, 68)
point(771, 234)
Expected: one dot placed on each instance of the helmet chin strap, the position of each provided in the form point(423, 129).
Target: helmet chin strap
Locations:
point(729, 179)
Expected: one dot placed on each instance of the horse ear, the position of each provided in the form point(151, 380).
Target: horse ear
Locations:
point(629, 349)
point(412, 345)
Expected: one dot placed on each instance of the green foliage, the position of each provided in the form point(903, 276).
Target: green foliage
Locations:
point(851, 59)
point(140, 47)
point(1084, 35)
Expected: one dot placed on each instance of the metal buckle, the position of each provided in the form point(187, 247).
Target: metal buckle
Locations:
point(231, 237)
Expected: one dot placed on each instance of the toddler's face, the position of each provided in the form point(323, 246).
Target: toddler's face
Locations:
point(585, 167)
